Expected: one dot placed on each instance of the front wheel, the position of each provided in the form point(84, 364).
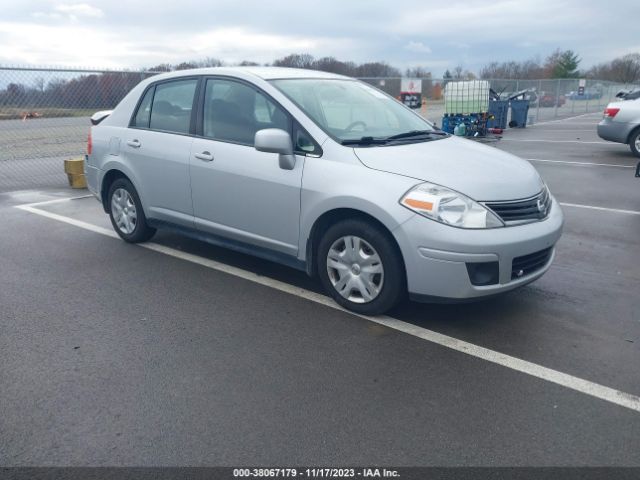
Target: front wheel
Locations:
point(126, 214)
point(360, 266)
point(634, 142)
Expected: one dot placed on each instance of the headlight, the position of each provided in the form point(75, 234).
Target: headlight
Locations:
point(447, 206)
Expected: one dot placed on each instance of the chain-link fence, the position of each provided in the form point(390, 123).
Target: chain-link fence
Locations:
point(44, 112)
point(548, 98)
point(44, 119)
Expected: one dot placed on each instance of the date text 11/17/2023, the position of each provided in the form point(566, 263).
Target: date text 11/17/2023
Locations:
point(315, 473)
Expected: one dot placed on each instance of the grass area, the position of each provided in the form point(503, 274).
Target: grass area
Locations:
point(13, 113)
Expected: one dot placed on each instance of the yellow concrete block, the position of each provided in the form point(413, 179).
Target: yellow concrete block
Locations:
point(77, 180)
point(74, 166)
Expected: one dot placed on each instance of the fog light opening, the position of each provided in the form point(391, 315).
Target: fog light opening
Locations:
point(483, 273)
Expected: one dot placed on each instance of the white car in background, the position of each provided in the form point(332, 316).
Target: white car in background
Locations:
point(621, 124)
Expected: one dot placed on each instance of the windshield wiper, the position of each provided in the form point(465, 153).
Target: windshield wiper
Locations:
point(417, 133)
point(365, 141)
point(399, 136)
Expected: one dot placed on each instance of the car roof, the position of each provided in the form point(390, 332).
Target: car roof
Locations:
point(266, 73)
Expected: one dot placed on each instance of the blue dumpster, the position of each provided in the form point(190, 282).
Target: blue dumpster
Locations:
point(500, 110)
point(519, 112)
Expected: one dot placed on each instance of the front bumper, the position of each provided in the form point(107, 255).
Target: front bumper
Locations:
point(614, 131)
point(436, 255)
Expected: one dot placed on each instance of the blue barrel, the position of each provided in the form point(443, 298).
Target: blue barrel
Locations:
point(519, 112)
point(500, 110)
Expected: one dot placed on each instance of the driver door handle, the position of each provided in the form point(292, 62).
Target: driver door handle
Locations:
point(204, 156)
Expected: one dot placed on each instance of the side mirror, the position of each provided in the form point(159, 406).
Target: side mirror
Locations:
point(274, 140)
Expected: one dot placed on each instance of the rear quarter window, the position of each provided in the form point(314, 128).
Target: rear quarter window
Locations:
point(141, 118)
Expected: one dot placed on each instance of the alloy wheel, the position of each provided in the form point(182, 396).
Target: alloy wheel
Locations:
point(123, 210)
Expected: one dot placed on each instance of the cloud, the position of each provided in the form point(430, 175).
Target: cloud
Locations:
point(76, 45)
point(72, 45)
point(431, 33)
point(52, 16)
point(417, 47)
point(235, 42)
point(79, 10)
point(71, 12)
point(460, 45)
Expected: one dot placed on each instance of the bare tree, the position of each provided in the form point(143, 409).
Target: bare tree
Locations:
point(624, 69)
point(528, 69)
point(186, 66)
point(295, 60)
point(376, 69)
point(333, 65)
point(210, 62)
point(163, 67)
point(418, 72)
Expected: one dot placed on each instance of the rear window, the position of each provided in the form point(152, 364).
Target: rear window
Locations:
point(172, 104)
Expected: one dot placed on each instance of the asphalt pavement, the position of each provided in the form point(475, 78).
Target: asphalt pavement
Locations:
point(116, 354)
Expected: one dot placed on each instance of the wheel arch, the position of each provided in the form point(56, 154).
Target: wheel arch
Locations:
point(632, 133)
point(333, 216)
point(107, 180)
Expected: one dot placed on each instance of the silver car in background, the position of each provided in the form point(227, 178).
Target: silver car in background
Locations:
point(326, 174)
point(621, 124)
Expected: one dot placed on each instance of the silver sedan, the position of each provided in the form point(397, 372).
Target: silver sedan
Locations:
point(621, 124)
point(326, 174)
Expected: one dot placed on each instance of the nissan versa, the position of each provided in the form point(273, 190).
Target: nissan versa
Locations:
point(326, 174)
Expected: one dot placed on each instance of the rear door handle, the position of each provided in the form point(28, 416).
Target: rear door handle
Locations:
point(204, 156)
point(134, 143)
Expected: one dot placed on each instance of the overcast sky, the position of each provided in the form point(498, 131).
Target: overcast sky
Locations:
point(436, 34)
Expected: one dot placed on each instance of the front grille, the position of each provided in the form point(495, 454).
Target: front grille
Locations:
point(527, 264)
point(522, 211)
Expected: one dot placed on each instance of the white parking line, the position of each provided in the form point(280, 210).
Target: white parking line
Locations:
point(554, 128)
point(601, 392)
point(71, 221)
point(586, 164)
point(565, 119)
point(561, 128)
point(603, 209)
point(539, 140)
point(55, 200)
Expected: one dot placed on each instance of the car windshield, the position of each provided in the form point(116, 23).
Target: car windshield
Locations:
point(355, 113)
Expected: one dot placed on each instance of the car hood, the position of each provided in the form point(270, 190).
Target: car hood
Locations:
point(478, 171)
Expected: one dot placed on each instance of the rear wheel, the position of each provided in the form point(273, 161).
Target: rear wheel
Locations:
point(126, 214)
point(634, 142)
point(360, 267)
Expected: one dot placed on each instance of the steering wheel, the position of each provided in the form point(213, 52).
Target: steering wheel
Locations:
point(353, 125)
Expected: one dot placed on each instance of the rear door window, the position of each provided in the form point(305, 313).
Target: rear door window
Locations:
point(172, 105)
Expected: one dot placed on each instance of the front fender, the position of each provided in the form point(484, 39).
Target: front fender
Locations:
point(329, 186)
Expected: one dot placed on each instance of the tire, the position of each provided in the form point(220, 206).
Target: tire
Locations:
point(126, 214)
point(634, 142)
point(360, 266)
